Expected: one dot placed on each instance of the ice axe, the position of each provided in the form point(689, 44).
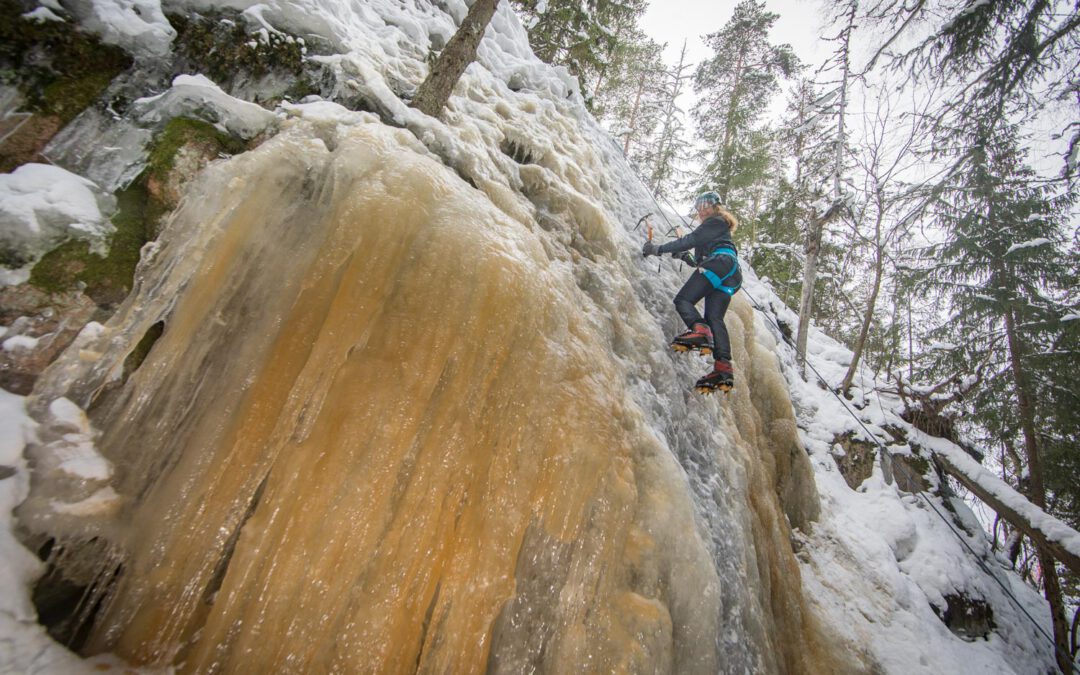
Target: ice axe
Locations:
point(648, 232)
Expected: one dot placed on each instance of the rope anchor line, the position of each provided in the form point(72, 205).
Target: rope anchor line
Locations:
point(978, 559)
point(907, 472)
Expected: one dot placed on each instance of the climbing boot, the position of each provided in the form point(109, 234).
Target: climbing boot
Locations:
point(699, 338)
point(721, 377)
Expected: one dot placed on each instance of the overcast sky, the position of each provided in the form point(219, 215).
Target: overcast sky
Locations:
point(673, 21)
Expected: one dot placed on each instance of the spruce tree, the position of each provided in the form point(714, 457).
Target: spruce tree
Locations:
point(735, 87)
point(1002, 266)
point(1004, 59)
point(582, 35)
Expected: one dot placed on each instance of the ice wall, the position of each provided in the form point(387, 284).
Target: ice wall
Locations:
point(390, 427)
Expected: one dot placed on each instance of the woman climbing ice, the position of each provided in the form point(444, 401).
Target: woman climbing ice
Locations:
point(716, 279)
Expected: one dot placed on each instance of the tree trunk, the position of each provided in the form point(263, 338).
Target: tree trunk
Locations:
point(871, 303)
point(864, 330)
point(435, 91)
point(813, 246)
point(633, 116)
point(1051, 582)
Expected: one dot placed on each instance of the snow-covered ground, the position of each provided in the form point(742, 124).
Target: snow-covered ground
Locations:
point(877, 560)
point(25, 647)
point(880, 558)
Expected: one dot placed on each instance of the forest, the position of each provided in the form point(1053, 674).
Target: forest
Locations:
point(916, 200)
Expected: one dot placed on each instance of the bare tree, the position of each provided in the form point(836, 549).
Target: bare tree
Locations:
point(818, 220)
point(885, 157)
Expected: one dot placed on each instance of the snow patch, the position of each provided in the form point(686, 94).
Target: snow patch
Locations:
point(198, 96)
point(41, 15)
point(137, 26)
point(1028, 244)
point(20, 343)
point(41, 205)
point(327, 112)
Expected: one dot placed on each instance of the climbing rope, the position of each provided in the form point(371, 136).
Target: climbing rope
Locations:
point(911, 478)
point(978, 559)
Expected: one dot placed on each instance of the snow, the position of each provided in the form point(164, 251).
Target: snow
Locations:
point(878, 537)
point(41, 205)
point(1054, 529)
point(1028, 244)
point(327, 112)
point(874, 566)
point(137, 26)
point(20, 343)
point(25, 647)
point(198, 96)
point(41, 15)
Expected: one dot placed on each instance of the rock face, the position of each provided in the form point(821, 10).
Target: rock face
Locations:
point(384, 429)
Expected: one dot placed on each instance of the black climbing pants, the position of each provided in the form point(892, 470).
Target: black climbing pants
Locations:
point(697, 287)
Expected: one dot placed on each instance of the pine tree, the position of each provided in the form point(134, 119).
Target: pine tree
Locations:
point(629, 100)
point(1004, 272)
point(822, 215)
point(735, 88)
point(803, 150)
point(459, 52)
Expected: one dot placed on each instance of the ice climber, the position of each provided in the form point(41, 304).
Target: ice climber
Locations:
point(716, 279)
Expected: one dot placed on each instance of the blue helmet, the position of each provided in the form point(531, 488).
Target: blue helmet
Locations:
point(710, 198)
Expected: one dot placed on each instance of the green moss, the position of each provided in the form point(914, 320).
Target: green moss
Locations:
point(182, 131)
point(108, 278)
point(58, 69)
point(920, 464)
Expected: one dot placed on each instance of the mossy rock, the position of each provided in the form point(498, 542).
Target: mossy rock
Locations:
point(855, 459)
point(218, 44)
point(910, 472)
point(140, 208)
point(107, 279)
point(58, 70)
point(182, 149)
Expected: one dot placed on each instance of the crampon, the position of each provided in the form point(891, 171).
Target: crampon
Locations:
point(720, 378)
point(699, 338)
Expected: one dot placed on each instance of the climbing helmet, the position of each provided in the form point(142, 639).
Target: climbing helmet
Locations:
point(710, 198)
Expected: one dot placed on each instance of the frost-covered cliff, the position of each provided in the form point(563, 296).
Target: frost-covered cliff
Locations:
point(392, 393)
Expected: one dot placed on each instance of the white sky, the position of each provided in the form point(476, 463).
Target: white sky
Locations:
point(673, 21)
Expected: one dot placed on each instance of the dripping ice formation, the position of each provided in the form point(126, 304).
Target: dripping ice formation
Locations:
point(385, 432)
point(412, 410)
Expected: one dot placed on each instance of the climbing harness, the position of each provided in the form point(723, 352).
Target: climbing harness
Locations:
point(715, 279)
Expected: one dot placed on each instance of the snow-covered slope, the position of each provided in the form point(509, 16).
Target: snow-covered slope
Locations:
point(393, 318)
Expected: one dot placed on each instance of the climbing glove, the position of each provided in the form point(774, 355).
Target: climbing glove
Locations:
point(687, 257)
point(649, 249)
